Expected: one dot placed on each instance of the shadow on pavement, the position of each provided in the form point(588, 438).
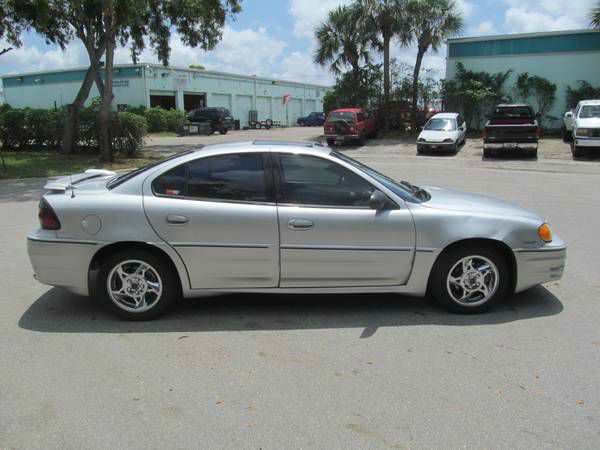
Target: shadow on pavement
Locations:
point(58, 311)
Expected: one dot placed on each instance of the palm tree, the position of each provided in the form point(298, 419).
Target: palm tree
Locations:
point(385, 19)
point(340, 42)
point(432, 21)
point(595, 16)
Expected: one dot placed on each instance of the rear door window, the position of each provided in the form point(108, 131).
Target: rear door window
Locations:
point(235, 177)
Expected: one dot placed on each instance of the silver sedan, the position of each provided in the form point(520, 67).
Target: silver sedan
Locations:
point(281, 217)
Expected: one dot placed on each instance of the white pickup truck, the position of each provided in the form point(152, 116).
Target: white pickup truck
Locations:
point(583, 126)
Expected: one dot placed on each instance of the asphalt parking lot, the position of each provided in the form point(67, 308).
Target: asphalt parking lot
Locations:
point(344, 371)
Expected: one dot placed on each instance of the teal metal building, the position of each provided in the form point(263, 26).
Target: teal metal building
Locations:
point(153, 85)
point(564, 58)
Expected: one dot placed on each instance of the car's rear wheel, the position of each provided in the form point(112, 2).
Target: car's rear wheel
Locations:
point(330, 142)
point(470, 279)
point(136, 284)
point(223, 131)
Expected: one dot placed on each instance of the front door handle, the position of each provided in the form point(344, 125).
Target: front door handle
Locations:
point(300, 224)
point(176, 219)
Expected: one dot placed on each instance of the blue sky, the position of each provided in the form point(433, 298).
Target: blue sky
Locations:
point(275, 37)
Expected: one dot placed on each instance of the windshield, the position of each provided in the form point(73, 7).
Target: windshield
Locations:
point(441, 125)
point(513, 112)
point(402, 189)
point(589, 111)
point(339, 116)
point(120, 179)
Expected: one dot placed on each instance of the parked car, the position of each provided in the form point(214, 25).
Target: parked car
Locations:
point(286, 218)
point(585, 126)
point(350, 124)
point(511, 128)
point(444, 131)
point(220, 118)
point(314, 119)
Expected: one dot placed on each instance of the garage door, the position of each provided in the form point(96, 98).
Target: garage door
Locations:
point(220, 100)
point(294, 111)
point(310, 106)
point(243, 105)
point(278, 111)
point(263, 106)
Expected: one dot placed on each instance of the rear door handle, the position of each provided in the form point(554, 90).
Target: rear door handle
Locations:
point(175, 219)
point(300, 224)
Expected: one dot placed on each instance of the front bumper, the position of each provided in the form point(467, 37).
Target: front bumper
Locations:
point(435, 145)
point(587, 142)
point(510, 145)
point(540, 265)
point(60, 262)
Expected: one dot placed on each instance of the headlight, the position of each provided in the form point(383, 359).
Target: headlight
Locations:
point(448, 140)
point(421, 140)
point(545, 233)
point(582, 132)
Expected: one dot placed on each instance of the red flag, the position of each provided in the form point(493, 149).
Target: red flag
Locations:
point(285, 99)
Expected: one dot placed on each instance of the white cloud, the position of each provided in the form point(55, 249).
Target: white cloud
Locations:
point(32, 58)
point(546, 15)
point(308, 14)
point(485, 27)
point(299, 66)
point(465, 7)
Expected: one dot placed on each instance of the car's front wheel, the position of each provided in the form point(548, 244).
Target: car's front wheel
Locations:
point(136, 284)
point(470, 279)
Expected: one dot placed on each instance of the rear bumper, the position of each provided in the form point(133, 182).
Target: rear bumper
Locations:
point(342, 137)
point(60, 262)
point(510, 145)
point(541, 265)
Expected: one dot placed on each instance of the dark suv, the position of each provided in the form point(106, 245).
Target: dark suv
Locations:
point(220, 118)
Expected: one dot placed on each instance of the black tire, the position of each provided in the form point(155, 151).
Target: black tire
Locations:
point(447, 261)
point(269, 123)
point(487, 153)
point(533, 153)
point(331, 142)
point(566, 135)
point(169, 279)
point(362, 139)
point(576, 151)
point(454, 148)
point(223, 131)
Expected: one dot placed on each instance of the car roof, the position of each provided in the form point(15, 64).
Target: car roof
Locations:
point(445, 115)
point(266, 145)
point(354, 110)
point(505, 105)
point(589, 102)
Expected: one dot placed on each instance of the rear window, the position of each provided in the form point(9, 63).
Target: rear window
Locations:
point(513, 112)
point(340, 116)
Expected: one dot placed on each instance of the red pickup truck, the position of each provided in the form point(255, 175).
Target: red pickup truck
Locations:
point(350, 124)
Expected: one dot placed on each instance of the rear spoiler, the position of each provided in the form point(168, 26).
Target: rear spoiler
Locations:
point(68, 182)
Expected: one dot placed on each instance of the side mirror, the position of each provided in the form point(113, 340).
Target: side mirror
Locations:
point(377, 200)
point(569, 114)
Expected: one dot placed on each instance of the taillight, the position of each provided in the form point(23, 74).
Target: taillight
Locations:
point(48, 219)
point(538, 133)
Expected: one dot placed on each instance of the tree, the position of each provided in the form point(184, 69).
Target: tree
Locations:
point(595, 16)
point(539, 88)
point(473, 93)
point(431, 22)
point(343, 43)
point(196, 66)
point(361, 88)
point(11, 26)
point(385, 19)
point(101, 25)
point(583, 92)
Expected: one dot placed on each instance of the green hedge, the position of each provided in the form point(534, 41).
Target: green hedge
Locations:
point(163, 119)
point(41, 128)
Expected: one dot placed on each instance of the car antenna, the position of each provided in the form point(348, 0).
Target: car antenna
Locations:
point(71, 185)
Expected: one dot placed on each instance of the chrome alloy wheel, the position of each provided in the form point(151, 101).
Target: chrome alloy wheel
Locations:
point(473, 280)
point(134, 286)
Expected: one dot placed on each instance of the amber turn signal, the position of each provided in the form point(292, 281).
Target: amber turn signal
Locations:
point(545, 233)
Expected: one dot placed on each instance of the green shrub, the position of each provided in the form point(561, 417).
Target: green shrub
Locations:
point(156, 119)
point(128, 130)
point(13, 132)
point(175, 120)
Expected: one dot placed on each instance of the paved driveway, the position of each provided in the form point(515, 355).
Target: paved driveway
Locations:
point(348, 371)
